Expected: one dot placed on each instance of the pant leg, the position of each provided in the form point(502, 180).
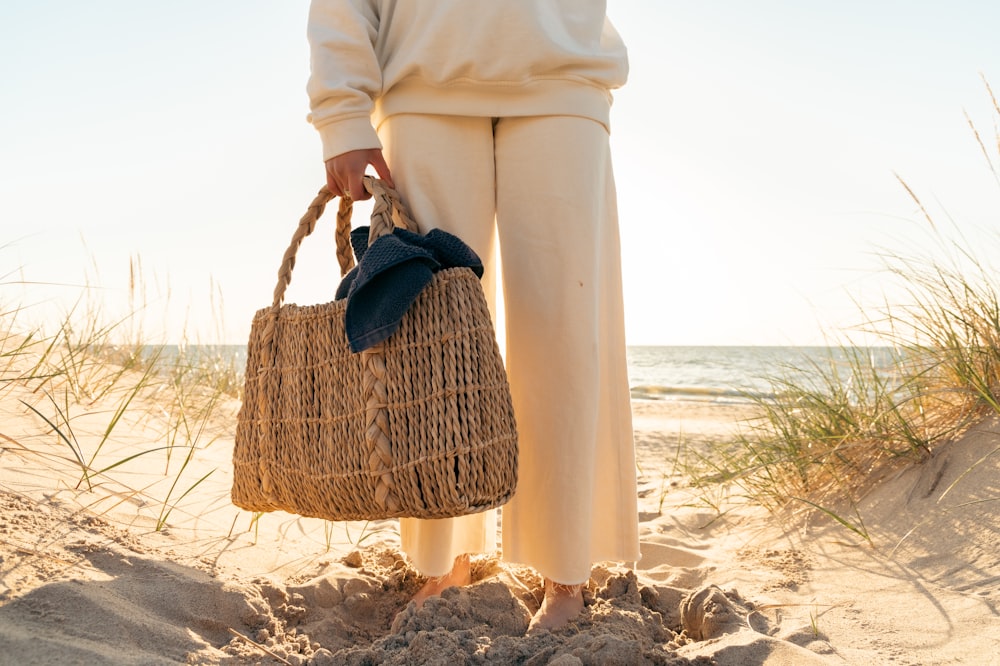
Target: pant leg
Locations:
point(558, 227)
point(443, 168)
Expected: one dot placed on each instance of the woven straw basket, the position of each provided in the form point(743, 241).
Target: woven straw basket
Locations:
point(420, 425)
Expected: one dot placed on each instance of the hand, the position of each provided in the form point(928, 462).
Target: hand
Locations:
point(345, 171)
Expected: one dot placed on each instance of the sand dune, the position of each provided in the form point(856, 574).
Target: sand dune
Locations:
point(85, 576)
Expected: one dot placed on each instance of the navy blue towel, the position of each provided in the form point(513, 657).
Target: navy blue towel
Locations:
point(389, 276)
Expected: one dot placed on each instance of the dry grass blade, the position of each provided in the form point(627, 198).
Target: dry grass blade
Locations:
point(260, 647)
point(102, 367)
point(69, 440)
point(982, 146)
point(168, 508)
point(916, 199)
point(824, 441)
point(858, 527)
point(968, 471)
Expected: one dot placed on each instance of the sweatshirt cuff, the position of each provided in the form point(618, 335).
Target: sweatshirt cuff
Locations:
point(346, 135)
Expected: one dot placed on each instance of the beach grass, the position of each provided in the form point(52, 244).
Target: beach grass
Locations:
point(821, 443)
point(91, 379)
point(92, 374)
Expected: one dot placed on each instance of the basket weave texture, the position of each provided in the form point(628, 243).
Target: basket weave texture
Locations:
point(419, 426)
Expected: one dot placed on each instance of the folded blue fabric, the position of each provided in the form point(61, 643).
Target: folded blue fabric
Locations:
point(390, 274)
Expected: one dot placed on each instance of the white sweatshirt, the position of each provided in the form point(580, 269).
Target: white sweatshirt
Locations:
point(375, 58)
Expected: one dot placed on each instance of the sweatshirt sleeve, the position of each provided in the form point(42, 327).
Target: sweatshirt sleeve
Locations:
point(345, 73)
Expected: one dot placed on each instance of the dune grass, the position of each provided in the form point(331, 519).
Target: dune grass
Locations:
point(95, 378)
point(93, 375)
point(820, 444)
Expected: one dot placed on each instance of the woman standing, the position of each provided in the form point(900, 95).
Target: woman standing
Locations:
point(494, 118)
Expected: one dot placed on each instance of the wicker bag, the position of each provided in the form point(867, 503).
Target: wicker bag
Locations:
point(421, 425)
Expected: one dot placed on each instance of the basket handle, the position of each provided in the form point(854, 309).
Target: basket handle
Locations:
point(388, 212)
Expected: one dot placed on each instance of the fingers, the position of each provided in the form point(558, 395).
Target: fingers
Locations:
point(356, 187)
point(382, 169)
point(345, 172)
point(331, 182)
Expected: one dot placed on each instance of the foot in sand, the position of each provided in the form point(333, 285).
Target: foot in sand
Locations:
point(561, 604)
point(459, 576)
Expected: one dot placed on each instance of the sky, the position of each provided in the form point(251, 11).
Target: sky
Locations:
point(756, 147)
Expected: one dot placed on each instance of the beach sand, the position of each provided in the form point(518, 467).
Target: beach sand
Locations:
point(85, 576)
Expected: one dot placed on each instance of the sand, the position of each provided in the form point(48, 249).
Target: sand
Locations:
point(86, 577)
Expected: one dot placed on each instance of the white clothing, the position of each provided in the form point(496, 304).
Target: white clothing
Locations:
point(494, 58)
point(545, 185)
point(493, 116)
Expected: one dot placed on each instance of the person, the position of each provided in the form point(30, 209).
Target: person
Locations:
point(494, 118)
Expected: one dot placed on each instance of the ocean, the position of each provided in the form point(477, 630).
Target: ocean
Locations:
point(731, 374)
point(702, 373)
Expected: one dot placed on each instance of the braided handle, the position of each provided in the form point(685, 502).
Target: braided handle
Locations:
point(387, 212)
point(373, 376)
point(387, 202)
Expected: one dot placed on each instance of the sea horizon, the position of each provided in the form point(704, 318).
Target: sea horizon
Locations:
point(704, 373)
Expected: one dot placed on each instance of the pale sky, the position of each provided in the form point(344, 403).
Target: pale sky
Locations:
point(755, 147)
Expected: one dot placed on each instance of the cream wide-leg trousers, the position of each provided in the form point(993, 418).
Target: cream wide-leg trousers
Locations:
point(543, 186)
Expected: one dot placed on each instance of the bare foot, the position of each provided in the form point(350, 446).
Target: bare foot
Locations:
point(460, 575)
point(561, 604)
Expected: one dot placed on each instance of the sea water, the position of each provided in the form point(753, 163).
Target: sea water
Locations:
point(734, 374)
point(703, 373)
